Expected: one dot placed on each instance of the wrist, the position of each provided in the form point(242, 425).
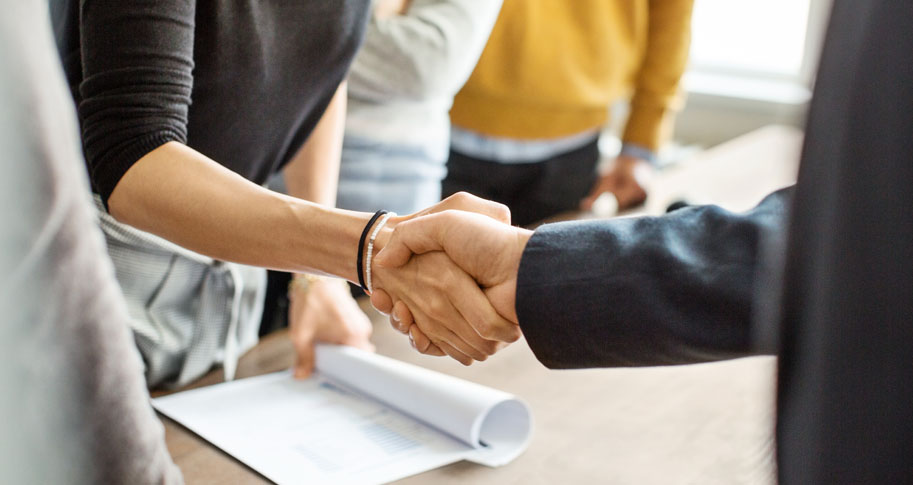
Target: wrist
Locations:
point(327, 240)
point(640, 152)
point(373, 248)
point(383, 237)
point(522, 237)
point(302, 285)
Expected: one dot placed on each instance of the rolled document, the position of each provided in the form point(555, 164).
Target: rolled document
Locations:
point(362, 418)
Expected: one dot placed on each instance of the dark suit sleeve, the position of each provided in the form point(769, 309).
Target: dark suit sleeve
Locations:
point(645, 291)
point(137, 58)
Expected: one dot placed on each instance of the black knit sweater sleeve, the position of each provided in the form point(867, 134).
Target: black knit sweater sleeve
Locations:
point(137, 62)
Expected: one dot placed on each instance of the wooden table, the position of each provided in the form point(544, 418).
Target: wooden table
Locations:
point(698, 424)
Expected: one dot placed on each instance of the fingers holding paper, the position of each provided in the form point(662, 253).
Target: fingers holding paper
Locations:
point(324, 311)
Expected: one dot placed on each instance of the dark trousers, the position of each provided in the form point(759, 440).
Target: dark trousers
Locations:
point(532, 191)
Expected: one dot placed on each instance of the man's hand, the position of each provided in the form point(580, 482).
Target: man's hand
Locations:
point(628, 179)
point(445, 310)
point(325, 312)
point(447, 304)
point(487, 250)
point(461, 201)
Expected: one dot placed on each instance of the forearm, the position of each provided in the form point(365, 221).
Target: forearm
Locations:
point(313, 173)
point(183, 196)
point(656, 94)
point(647, 291)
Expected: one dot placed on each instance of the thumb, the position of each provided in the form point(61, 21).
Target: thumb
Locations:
point(416, 236)
point(304, 360)
point(381, 301)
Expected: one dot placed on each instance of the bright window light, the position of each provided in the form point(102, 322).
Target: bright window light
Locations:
point(761, 37)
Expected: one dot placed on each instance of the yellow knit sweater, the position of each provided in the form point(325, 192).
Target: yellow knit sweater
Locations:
point(552, 68)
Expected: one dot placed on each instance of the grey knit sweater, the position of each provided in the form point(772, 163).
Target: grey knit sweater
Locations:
point(73, 403)
point(401, 87)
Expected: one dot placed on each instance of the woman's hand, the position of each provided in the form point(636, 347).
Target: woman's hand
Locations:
point(486, 255)
point(324, 312)
point(447, 305)
point(448, 302)
point(461, 201)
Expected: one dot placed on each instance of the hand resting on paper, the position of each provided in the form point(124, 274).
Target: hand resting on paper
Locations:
point(324, 311)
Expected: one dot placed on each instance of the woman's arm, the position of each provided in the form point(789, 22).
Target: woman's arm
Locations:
point(134, 98)
point(137, 62)
point(656, 91)
point(179, 194)
point(322, 310)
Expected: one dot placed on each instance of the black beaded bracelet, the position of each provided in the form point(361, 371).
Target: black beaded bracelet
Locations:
point(360, 261)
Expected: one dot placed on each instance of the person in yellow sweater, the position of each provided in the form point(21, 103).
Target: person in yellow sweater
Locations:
point(526, 124)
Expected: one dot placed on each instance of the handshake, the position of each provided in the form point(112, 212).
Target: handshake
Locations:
point(447, 276)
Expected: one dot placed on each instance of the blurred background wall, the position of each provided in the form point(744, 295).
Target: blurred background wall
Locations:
point(752, 63)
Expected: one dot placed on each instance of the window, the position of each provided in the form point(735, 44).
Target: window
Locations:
point(763, 49)
point(761, 37)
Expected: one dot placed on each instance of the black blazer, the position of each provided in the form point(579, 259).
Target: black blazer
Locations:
point(832, 295)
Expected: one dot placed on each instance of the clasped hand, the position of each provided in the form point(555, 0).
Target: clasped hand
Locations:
point(447, 277)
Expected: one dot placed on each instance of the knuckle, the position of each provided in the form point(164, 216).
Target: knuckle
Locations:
point(475, 354)
point(490, 347)
point(485, 329)
point(448, 279)
point(515, 333)
point(433, 339)
point(501, 212)
point(437, 308)
point(447, 216)
point(397, 325)
point(362, 330)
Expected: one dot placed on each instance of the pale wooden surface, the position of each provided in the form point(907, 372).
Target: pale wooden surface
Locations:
point(701, 424)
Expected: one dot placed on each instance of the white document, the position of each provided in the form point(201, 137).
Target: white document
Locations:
point(362, 418)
